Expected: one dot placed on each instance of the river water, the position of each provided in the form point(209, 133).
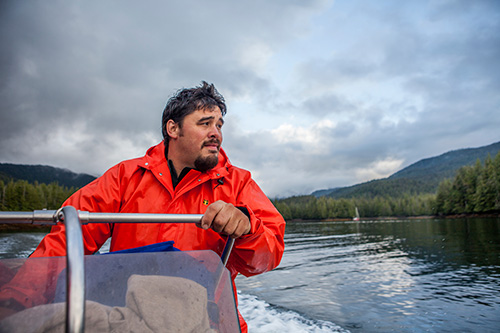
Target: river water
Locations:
point(429, 275)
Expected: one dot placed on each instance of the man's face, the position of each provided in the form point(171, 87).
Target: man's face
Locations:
point(200, 138)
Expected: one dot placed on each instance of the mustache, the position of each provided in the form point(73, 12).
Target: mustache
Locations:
point(211, 142)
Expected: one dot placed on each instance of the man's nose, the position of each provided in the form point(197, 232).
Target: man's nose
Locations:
point(215, 132)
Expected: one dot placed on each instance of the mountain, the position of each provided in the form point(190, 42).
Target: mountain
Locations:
point(423, 176)
point(445, 165)
point(43, 174)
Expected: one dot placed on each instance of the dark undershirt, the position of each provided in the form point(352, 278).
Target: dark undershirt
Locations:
point(176, 179)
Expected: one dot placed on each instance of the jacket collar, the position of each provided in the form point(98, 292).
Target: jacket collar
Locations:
point(155, 158)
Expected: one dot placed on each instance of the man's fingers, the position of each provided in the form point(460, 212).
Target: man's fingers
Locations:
point(225, 218)
point(243, 228)
point(238, 228)
point(230, 228)
point(210, 214)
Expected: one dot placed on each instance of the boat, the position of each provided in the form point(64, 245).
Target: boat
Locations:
point(135, 290)
point(356, 216)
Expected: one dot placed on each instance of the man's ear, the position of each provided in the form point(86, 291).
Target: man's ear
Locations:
point(172, 129)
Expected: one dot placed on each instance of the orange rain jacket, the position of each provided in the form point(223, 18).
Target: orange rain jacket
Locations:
point(144, 185)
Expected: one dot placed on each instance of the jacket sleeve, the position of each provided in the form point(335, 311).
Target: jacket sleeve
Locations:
point(260, 250)
point(101, 195)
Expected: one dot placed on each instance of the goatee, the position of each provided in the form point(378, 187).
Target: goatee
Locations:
point(203, 164)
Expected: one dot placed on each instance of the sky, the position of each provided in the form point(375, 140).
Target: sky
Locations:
point(320, 93)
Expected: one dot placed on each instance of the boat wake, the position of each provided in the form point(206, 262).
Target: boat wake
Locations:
point(262, 317)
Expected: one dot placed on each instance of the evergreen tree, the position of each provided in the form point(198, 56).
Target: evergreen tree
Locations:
point(496, 175)
point(487, 188)
point(443, 202)
point(21, 195)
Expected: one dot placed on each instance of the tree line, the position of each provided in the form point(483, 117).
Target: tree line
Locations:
point(310, 207)
point(20, 195)
point(474, 189)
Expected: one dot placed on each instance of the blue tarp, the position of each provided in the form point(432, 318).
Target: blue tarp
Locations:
point(158, 247)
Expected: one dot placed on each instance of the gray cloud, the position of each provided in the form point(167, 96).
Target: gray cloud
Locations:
point(369, 87)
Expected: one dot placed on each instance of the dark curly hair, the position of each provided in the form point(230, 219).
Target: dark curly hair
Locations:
point(188, 100)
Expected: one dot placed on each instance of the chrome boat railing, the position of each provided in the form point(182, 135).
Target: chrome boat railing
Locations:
point(75, 273)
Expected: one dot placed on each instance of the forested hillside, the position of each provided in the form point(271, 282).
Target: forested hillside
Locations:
point(421, 177)
point(424, 188)
point(20, 195)
point(33, 187)
point(43, 174)
point(475, 189)
point(447, 164)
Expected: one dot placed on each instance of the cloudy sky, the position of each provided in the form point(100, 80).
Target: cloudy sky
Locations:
point(320, 93)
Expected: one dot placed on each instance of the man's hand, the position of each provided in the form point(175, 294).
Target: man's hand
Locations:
point(226, 219)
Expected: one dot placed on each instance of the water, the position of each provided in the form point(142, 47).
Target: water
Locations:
point(19, 245)
point(369, 276)
point(383, 276)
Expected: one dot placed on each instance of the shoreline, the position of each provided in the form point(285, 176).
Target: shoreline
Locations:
point(422, 217)
point(16, 227)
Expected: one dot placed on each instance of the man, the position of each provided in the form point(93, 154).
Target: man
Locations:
point(188, 173)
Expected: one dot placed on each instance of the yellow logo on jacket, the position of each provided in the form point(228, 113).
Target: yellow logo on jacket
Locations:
point(205, 202)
